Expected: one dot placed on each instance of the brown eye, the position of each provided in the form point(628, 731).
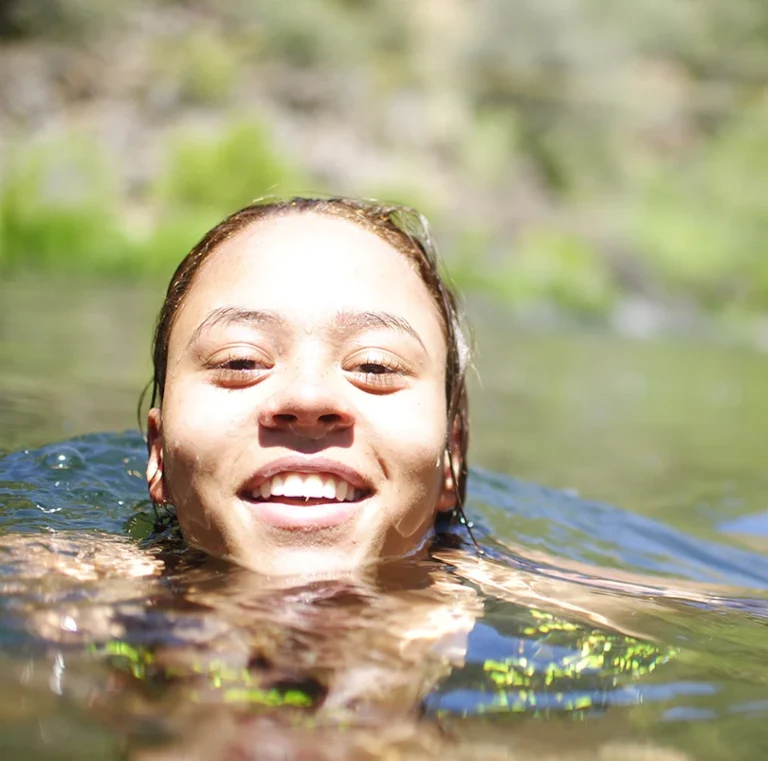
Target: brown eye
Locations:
point(238, 371)
point(378, 372)
point(239, 365)
point(374, 368)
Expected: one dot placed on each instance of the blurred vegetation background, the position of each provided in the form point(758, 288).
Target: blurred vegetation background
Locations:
point(605, 160)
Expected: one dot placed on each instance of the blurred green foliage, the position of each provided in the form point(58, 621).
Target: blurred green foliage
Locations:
point(571, 154)
point(61, 209)
point(221, 172)
point(562, 268)
point(199, 69)
point(55, 19)
point(549, 266)
point(703, 222)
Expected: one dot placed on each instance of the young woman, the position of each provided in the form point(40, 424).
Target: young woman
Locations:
point(311, 411)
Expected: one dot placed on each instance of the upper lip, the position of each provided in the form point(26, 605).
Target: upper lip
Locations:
point(307, 464)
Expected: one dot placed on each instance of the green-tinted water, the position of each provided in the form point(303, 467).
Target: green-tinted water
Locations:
point(113, 649)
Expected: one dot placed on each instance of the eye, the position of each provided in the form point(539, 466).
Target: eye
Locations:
point(235, 370)
point(374, 368)
point(238, 365)
point(377, 372)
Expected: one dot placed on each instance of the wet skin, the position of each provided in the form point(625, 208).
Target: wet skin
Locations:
point(306, 345)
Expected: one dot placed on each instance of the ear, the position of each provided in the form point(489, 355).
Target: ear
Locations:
point(155, 481)
point(448, 498)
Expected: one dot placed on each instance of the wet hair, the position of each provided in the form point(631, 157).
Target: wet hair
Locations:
point(407, 231)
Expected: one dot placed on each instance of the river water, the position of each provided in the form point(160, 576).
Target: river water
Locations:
point(621, 485)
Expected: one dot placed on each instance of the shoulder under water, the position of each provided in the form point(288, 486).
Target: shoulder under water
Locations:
point(132, 645)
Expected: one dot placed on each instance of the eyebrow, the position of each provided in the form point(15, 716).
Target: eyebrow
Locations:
point(347, 320)
point(235, 316)
point(358, 321)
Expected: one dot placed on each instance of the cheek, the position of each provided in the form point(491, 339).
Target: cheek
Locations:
point(200, 416)
point(199, 434)
point(414, 433)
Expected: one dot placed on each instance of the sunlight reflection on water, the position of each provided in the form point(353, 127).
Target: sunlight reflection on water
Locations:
point(111, 642)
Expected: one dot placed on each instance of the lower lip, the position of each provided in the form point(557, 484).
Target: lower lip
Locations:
point(305, 517)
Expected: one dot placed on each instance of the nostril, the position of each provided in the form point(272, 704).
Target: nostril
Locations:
point(300, 421)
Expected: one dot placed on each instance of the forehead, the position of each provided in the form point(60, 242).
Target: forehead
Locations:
point(308, 267)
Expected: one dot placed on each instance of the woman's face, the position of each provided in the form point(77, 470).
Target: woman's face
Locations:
point(303, 425)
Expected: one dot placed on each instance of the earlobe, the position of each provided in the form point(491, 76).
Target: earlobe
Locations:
point(449, 497)
point(155, 480)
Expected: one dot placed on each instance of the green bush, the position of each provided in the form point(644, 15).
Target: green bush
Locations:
point(58, 209)
point(561, 268)
point(492, 148)
point(61, 209)
point(215, 174)
point(702, 224)
point(546, 267)
point(171, 238)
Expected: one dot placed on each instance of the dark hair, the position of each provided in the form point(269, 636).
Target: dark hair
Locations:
point(404, 229)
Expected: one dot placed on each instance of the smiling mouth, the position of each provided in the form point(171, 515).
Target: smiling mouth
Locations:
point(295, 501)
point(306, 489)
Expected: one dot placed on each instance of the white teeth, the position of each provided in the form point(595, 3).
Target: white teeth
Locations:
point(294, 486)
point(329, 488)
point(277, 486)
point(307, 486)
point(313, 487)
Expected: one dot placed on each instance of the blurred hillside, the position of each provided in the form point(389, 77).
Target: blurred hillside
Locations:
point(603, 158)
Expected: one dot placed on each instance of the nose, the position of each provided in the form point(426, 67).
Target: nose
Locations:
point(309, 407)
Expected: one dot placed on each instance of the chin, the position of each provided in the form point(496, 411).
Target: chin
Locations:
point(296, 566)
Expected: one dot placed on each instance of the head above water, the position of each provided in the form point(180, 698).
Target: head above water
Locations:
point(309, 408)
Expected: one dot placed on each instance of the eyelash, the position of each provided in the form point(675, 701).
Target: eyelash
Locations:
point(227, 370)
point(390, 377)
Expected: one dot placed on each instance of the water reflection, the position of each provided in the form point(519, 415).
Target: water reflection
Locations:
point(175, 654)
point(550, 647)
point(73, 358)
point(166, 654)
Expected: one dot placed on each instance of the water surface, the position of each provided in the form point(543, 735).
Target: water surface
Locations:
point(598, 461)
